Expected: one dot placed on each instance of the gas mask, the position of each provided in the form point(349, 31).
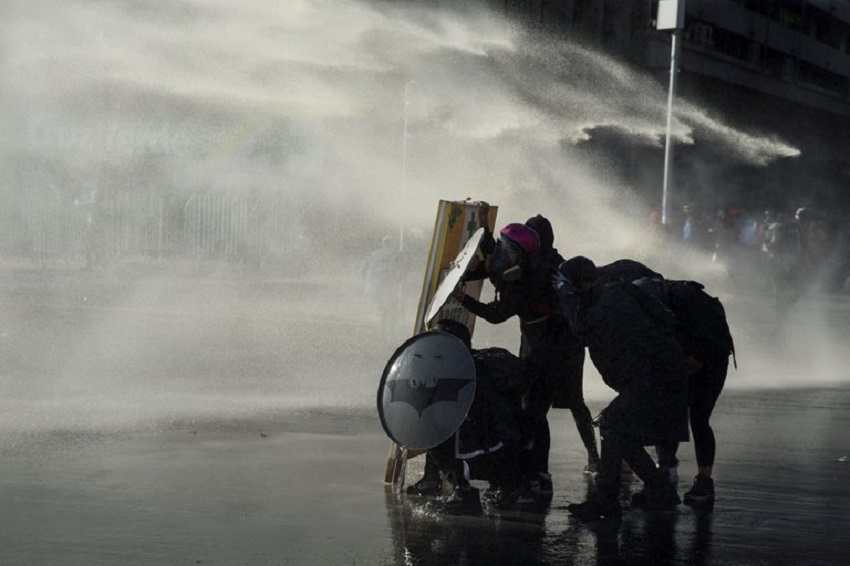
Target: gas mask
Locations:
point(504, 263)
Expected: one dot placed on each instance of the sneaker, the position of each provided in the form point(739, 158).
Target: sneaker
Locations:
point(701, 492)
point(427, 487)
point(464, 500)
point(592, 510)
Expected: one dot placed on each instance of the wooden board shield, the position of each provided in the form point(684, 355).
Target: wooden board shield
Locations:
point(455, 224)
point(453, 277)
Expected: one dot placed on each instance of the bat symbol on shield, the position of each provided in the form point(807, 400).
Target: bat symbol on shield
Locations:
point(421, 394)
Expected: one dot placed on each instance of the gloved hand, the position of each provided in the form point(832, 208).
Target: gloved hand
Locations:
point(561, 283)
point(483, 214)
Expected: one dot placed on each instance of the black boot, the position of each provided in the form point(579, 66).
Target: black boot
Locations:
point(428, 486)
point(464, 500)
point(658, 494)
point(431, 483)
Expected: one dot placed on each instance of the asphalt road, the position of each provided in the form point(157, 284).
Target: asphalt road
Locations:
point(183, 415)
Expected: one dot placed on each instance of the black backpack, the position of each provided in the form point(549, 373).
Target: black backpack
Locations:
point(502, 370)
point(702, 320)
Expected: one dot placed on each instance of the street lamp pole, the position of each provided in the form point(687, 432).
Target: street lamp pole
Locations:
point(671, 16)
point(403, 190)
point(668, 139)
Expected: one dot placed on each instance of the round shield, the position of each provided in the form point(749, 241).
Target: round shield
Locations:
point(450, 281)
point(426, 390)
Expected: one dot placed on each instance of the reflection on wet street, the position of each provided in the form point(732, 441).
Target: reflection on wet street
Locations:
point(783, 496)
point(229, 419)
point(678, 537)
point(305, 487)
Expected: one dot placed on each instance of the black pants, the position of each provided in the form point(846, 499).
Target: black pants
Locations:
point(502, 468)
point(441, 459)
point(558, 383)
point(616, 449)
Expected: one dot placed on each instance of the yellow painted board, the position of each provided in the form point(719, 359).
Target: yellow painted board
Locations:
point(456, 222)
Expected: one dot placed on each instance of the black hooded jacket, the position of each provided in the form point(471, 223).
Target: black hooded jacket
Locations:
point(639, 357)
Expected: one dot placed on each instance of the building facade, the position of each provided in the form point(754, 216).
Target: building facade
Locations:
point(773, 67)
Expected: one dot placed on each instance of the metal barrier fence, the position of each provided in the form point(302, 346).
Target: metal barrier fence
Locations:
point(235, 227)
point(46, 224)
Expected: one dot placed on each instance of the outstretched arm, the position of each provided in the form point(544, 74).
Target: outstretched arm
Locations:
point(494, 313)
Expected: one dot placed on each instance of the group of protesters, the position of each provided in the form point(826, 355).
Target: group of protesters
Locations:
point(663, 346)
point(799, 248)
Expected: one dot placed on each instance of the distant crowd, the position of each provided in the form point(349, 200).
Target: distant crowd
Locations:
point(801, 247)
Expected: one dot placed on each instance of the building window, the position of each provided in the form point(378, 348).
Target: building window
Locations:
point(827, 29)
point(701, 34)
point(789, 13)
point(730, 44)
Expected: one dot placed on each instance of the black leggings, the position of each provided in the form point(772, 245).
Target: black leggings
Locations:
point(704, 389)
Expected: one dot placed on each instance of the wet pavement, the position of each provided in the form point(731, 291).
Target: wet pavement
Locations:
point(269, 491)
point(783, 497)
point(187, 422)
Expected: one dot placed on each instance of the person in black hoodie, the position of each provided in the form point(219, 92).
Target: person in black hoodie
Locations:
point(631, 339)
point(489, 443)
point(554, 356)
point(559, 359)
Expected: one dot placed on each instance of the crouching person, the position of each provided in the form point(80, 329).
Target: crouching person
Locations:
point(490, 444)
point(707, 341)
point(633, 346)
